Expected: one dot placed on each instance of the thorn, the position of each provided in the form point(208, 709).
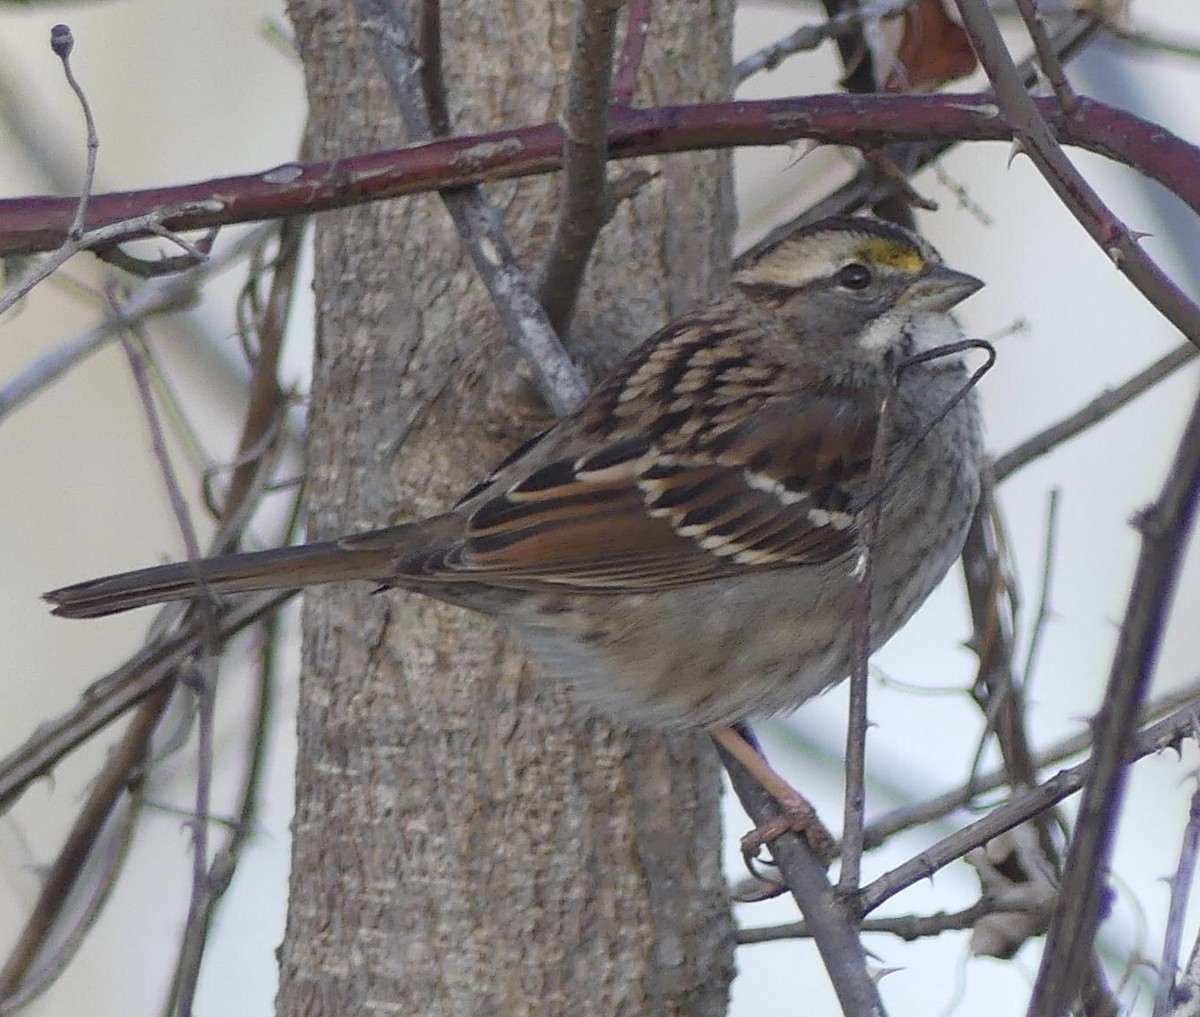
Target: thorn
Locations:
point(799, 148)
point(983, 109)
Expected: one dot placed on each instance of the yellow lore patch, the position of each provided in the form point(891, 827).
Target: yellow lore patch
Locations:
point(893, 253)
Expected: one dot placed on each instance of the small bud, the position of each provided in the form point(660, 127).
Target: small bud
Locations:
point(62, 41)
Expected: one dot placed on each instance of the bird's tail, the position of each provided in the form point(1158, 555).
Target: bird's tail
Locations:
point(284, 569)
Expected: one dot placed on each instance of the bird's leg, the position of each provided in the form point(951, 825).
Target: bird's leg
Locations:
point(798, 815)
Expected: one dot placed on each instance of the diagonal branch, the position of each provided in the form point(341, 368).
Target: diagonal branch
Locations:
point(832, 927)
point(1103, 406)
point(1165, 527)
point(1036, 139)
point(478, 221)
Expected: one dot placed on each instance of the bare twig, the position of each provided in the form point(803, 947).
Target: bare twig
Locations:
point(1165, 527)
point(1044, 597)
point(583, 204)
point(1023, 806)
point(809, 37)
point(856, 728)
point(1032, 132)
point(225, 860)
point(478, 222)
point(909, 816)
point(202, 673)
point(62, 42)
point(1140, 40)
point(433, 81)
point(158, 443)
point(1103, 406)
point(266, 397)
point(907, 927)
point(54, 956)
point(98, 237)
point(1181, 885)
point(865, 188)
point(150, 268)
point(120, 767)
point(1047, 57)
point(114, 694)
point(637, 27)
point(159, 297)
point(833, 927)
point(990, 598)
point(1187, 991)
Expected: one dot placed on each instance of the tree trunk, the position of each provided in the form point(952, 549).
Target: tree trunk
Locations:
point(465, 841)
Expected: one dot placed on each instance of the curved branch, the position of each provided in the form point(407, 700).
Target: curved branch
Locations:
point(32, 224)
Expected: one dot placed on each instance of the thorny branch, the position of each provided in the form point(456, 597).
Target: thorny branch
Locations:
point(1165, 527)
point(71, 225)
point(29, 225)
point(1181, 885)
point(1036, 139)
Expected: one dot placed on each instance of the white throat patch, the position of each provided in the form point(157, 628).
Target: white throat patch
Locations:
point(927, 330)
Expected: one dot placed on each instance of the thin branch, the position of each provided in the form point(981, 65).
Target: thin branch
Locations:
point(865, 188)
point(202, 672)
point(909, 816)
point(225, 861)
point(809, 37)
point(856, 728)
point(142, 225)
point(53, 960)
point(266, 398)
point(1023, 806)
point(158, 297)
point(1181, 886)
point(64, 874)
point(833, 926)
point(1103, 406)
point(907, 927)
point(991, 601)
point(114, 694)
point(479, 223)
point(1187, 991)
point(429, 60)
point(1036, 139)
point(637, 27)
point(1044, 597)
point(1165, 527)
point(158, 443)
point(62, 42)
point(1141, 41)
point(1047, 58)
point(151, 268)
point(583, 204)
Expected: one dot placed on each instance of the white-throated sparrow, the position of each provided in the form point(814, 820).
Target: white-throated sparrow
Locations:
point(683, 547)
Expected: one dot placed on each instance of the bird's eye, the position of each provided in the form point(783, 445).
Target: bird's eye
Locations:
point(855, 276)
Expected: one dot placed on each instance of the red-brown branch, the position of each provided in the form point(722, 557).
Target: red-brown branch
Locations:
point(32, 224)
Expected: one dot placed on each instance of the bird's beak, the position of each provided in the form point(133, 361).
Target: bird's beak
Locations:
point(939, 289)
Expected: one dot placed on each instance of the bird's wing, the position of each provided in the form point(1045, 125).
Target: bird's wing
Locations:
point(771, 486)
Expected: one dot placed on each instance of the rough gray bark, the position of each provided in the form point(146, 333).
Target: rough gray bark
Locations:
point(465, 842)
